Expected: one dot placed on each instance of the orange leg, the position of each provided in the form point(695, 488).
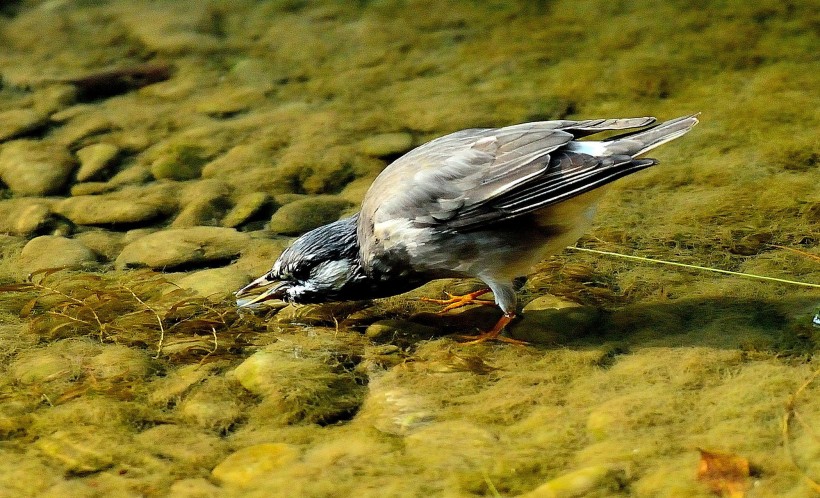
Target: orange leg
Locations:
point(494, 334)
point(459, 301)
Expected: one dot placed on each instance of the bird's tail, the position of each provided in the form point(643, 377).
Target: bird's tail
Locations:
point(636, 143)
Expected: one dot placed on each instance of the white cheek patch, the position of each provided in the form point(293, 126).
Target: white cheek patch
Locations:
point(330, 273)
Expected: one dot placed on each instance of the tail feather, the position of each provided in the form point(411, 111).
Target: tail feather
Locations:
point(635, 144)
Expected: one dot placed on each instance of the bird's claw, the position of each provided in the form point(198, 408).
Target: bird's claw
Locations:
point(458, 301)
point(494, 334)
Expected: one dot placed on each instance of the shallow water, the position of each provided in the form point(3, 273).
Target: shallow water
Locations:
point(276, 116)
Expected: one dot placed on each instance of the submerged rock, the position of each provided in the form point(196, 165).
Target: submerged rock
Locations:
point(214, 283)
point(246, 466)
point(94, 159)
point(103, 210)
point(247, 206)
point(183, 246)
point(16, 122)
point(551, 325)
point(386, 144)
point(24, 216)
point(33, 168)
point(54, 251)
point(78, 450)
point(306, 214)
point(299, 383)
point(581, 482)
point(213, 405)
point(389, 329)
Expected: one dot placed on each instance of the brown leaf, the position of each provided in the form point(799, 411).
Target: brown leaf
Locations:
point(725, 474)
point(16, 287)
point(26, 310)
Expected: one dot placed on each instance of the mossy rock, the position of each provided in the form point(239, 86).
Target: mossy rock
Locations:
point(306, 214)
point(183, 162)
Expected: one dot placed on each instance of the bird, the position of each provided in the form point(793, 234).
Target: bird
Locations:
point(486, 203)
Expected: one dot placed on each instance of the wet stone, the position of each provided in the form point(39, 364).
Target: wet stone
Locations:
point(246, 207)
point(246, 466)
point(318, 314)
point(53, 98)
point(214, 283)
point(306, 214)
point(179, 162)
point(183, 246)
point(554, 326)
point(73, 450)
point(298, 382)
point(582, 482)
point(16, 122)
point(24, 216)
point(103, 242)
point(31, 168)
point(215, 404)
point(203, 203)
point(386, 144)
point(101, 210)
point(94, 159)
point(388, 330)
point(228, 101)
point(182, 445)
point(54, 251)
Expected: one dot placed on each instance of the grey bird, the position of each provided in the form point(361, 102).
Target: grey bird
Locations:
point(486, 203)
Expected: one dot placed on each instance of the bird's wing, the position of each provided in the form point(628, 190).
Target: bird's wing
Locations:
point(474, 177)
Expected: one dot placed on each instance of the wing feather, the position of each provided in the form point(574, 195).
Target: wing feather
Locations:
point(474, 177)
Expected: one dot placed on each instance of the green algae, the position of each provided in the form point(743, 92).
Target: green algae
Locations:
point(672, 360)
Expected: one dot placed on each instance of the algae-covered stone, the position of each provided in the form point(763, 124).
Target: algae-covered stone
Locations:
point(94, 159)
point(54, 251)
point(386, 144)
point(393, 409)
point(16, 122)
point(106, 243)
point(246, 207)
point(214, 404)
point(214, 283)
point(117, 363)
point(204, 202)
point(78, 451)
point(389, 329)
point(246, 466)
point(40, 367)
point(195, 487)
point(35, 168)
point(229, 100)
point(182, 445)
point(24, 216)
point(103, 210)
point(176, 383)
point(306, 214)
point(180, 162)
point(298, 383)
point(183, 246)
point(581, 482)
point(82, 128)
point(551, 325)
point(548, 302)
point(53, 98)
point(318, 314)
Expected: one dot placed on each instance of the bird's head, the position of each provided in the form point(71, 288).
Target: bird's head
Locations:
point(321, 265)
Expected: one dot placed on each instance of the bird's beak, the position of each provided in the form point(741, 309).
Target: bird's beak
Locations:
point(275, 290)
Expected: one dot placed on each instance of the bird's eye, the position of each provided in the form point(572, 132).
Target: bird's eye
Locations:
point(301, 273)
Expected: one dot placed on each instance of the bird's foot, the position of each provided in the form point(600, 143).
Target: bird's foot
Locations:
point(459, 301)
point(494, 334)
